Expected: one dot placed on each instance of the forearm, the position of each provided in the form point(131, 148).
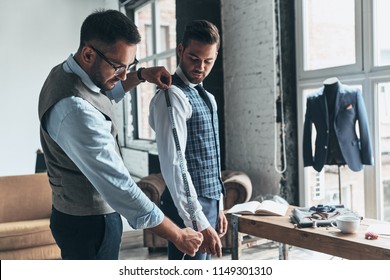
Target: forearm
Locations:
point(131, 81)
point(186, 240)
point(167, 230)
point(155, 75)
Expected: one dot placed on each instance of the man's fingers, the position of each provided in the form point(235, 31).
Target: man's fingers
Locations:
point(218, 250)
point(191, 254)
point(203, 249)
point(162, 83)
point(192, 242)
point(166, 81)
point(222, 224)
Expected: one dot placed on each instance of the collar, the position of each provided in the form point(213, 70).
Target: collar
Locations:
point(71, 66)
point(180, 73)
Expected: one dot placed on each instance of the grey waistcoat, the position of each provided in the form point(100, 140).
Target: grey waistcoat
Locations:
point(72, 192)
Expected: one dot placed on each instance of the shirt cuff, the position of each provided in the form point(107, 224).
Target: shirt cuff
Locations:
point(201, 221)
point(221, 206)
point(152, 219)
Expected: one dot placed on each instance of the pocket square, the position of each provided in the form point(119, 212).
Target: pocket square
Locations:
point(349, 107)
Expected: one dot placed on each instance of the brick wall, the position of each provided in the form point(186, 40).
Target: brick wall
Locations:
point(249, 79)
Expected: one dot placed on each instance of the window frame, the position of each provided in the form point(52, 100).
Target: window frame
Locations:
point(132, 139)
point(331, 71)
point(363, 72)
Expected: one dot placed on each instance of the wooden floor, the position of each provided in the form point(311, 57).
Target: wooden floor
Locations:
point(132, 249)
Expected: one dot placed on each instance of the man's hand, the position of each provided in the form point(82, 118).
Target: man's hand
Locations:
point(189, 241)
point(158, 76)
point(222, 224)
point(211, 242)
point(186, 240)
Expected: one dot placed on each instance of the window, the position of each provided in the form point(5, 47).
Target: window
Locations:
point(382, 41)
point(156, 22)
point(334, 39)
point(383, 94)
point(329, 34)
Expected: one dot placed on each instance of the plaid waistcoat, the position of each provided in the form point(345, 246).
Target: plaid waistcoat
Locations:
point(202, 151)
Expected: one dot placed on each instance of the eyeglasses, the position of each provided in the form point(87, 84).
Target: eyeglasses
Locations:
point(117, 69)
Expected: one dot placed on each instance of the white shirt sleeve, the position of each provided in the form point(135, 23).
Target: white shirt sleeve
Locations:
point(168, 155)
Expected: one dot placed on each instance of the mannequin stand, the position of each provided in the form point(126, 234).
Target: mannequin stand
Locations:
point(338, 167)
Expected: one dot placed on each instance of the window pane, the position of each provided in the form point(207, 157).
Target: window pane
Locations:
point(143, 21)
point(329, 33)
point(325, 187)
point(169, 63)
point(383, 90)
point(167, 16)
point(157, 48)
point(381, 33)
point(145, 92)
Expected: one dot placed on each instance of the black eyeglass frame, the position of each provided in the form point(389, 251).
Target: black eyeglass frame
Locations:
point(117, 69)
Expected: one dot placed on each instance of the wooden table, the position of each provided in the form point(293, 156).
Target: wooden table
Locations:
point(326, 240)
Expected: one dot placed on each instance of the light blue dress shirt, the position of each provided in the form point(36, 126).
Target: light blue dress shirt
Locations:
point(85, 136)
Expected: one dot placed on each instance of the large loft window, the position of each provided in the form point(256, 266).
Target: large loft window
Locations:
point(348, 40)
point(156, 22)
point(381, 38)
point(329, 34)
point(382, 90)
point(329, 37)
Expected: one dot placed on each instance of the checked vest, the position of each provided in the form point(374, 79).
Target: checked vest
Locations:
point(202, 150)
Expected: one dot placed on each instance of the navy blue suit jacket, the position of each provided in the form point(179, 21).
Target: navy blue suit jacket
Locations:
point(349, 109)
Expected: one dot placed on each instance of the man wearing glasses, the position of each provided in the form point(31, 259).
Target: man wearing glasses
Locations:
point(91, 186)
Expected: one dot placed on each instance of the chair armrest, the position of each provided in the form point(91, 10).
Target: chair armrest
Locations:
point(153, 186)
point(238, 187)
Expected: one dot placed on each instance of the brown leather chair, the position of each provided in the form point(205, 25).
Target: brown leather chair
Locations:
point(238, 188)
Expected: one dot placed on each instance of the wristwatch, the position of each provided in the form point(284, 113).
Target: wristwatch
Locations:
point(139, 74)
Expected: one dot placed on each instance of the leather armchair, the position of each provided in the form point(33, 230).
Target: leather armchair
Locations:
point(153, 186)
point(238, 188)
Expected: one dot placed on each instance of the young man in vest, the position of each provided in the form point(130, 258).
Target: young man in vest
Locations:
point(195, 117)
point(90, 183)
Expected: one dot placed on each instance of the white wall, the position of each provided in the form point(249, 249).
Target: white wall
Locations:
point(34, 37)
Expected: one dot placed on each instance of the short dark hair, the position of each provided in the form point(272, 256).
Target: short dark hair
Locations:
point(109, 26)
point(202, 31)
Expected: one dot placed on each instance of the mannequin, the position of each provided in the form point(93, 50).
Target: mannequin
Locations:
point(331, 81)
point(334, 110)
point(334, 156)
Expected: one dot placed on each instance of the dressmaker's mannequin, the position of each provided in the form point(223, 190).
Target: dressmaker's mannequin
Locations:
point(334, 156)
point(334, 110)
point(331, 81)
